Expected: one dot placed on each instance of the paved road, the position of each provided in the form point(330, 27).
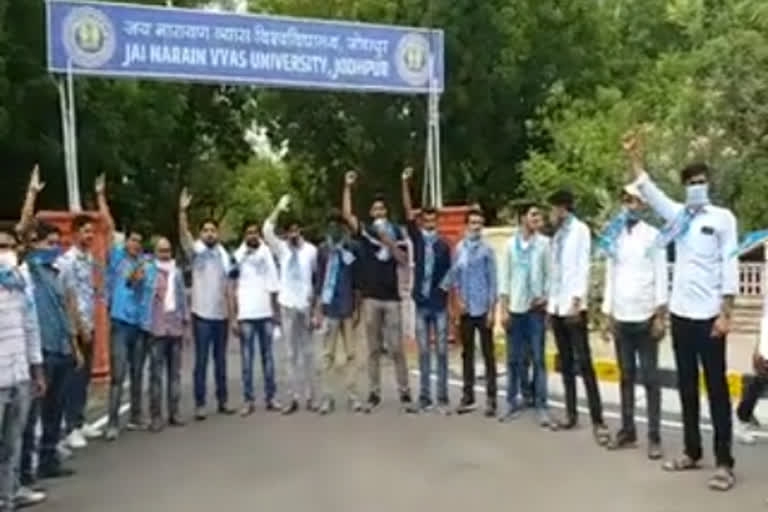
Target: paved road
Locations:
point(386, 462)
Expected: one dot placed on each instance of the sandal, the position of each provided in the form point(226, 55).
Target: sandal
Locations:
point(722, 480)
point(682, 463)
point(602, 434)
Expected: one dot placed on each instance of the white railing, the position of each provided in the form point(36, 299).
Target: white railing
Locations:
point(751, 279)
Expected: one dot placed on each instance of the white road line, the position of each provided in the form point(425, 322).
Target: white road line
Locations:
point(671, 424)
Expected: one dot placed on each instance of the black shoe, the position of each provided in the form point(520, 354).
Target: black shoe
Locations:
point(407, 403)
point(54, 471)
point(311, 406)
point(622, 440)
point(176, 421)
point(490, 408)
point(568, 423)
point(290, 408)
point(374, 400)
point(466, 406)
point(225, 410)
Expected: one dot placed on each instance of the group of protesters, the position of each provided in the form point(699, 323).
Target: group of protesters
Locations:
point(279, 288)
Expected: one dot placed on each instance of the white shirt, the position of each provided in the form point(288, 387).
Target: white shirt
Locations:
point(293, 294)
point(636, 277)
point(569, 276)
point(705, 269)
point(257, 281)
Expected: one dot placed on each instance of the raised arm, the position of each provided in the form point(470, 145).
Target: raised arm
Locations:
point(28, 209)
point(270, 224)
point(660, 202)
point(346, 202)
point(406, 189)
point(185, 236)
point(104, 211)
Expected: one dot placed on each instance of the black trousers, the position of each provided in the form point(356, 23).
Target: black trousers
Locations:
point(749, 398)
point(469, 325)
point(693, 343)
point(572, 342)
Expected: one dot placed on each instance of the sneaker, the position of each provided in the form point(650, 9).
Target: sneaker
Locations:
point(490, 408)
point(26, 497)
point(425, 403)
point(248, 409)
point(225, 410)
point(273, 405)
point(543, 419)
point(200, 414)
point(137, 425)
point(63, 451)
point(327, 407)
point(355, 405)
point(111, 434)
point(374, 400)
point(466, 406)
point(444, 408)
point(176, 421)
point(76, 440)
point(512, 414)
point(621, 440)
point(654, 450)
point(291, 407)
point(407, 403)
point(310, 405)
point(156, 425)
point(90, 432)
point(743, 431)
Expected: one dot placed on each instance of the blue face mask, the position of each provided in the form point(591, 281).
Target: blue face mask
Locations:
point(697, 195)
point(44, 256)
point(633, 215)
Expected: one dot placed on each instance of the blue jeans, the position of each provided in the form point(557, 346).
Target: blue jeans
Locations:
point(58, 374)
point(438, 320)
point(128, 354)
point(210, 335)
point(525, 331)
point(78, 386)
point(249, 331)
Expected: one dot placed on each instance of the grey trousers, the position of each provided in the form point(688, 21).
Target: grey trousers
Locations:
point(347, 369)
point(297, 339)
point(14, 409)
point(383, 328)
point(165, 358)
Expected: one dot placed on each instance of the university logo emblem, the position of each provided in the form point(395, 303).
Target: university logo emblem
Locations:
point(412, 59)
point(89, 37)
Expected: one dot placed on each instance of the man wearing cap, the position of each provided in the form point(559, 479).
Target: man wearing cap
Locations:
point(634, 302)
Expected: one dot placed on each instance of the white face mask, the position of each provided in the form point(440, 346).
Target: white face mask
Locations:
point(697, 195)
point(8, 258)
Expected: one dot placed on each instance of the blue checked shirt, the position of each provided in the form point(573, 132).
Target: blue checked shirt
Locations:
point(474, 275)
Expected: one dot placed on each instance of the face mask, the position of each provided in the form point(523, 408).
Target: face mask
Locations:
point(44, 256)
point(380, 223)
point(8, 259)
point(474, 235)
point(633, 215)
point(697, 195)
point(335, 233)
point(428, 233)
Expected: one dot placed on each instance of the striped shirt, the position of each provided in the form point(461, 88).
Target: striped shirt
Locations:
point(19, 334)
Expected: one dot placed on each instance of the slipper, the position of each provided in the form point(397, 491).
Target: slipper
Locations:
point(682, 463)
point(722, 480)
